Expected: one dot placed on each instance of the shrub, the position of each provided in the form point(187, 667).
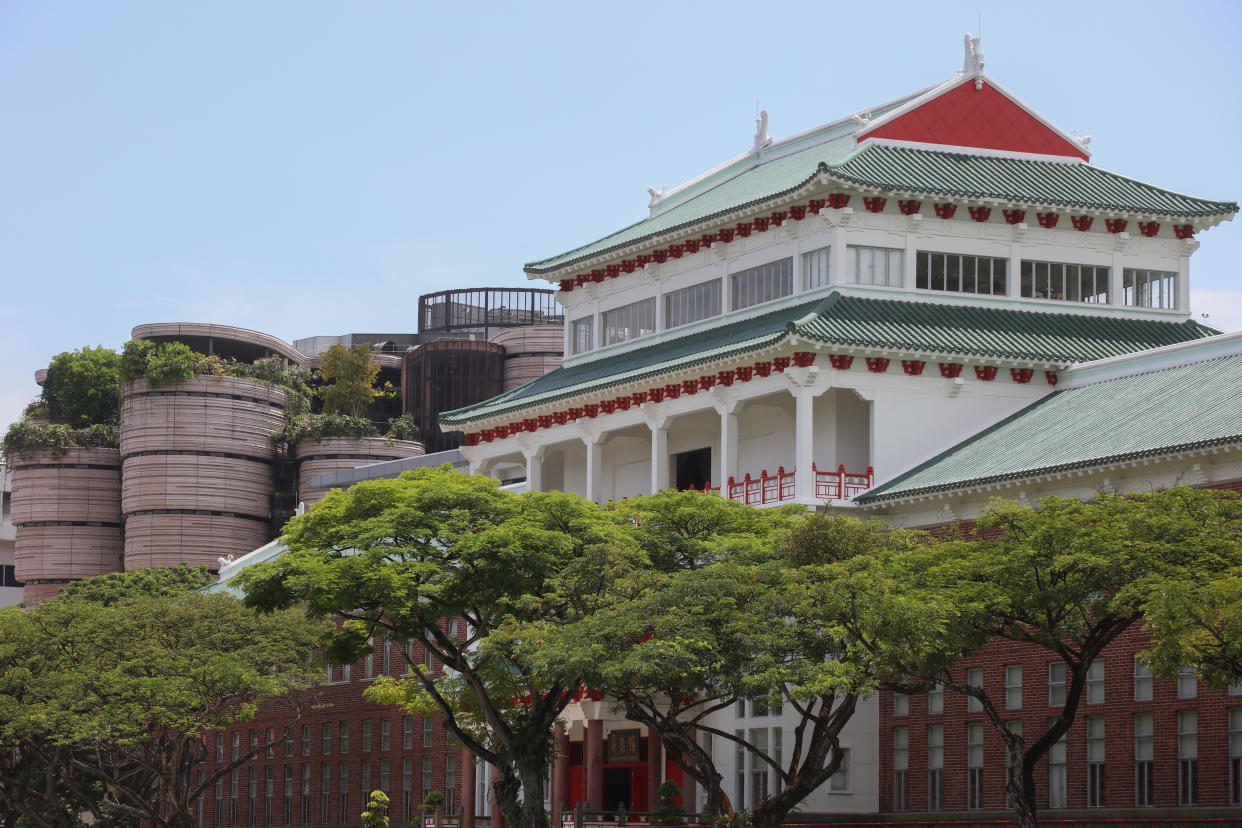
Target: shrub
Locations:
point(350, 373)
point(402, 428)
point(24, 438)
point(311, 427)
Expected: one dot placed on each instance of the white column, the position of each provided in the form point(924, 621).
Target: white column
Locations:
point(659, 456)
point(1013, 287)
point(804, 445)
point(726, 405)
point(1183, 285)
point(1115, 294)
point(910, 273)
point(836, 257)
point(594, 466)
point(534, 468)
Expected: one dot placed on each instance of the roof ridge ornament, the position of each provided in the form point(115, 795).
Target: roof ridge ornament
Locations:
point(656, 195)
point(762, 138)
point(973, 63)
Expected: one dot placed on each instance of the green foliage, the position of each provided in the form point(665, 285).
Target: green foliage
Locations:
point(81, 387)
point(167, 363)
point(23, 438)
point(402, 428)
point(434, 799)
point(667, 811)
point(152, 582)
point(311, 427)
point(116, 687)
point(174, 362)
point(376, 813)
point(350, 373)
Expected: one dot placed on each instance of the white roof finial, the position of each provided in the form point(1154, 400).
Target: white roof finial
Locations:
point(762, 139)
point(973, 64)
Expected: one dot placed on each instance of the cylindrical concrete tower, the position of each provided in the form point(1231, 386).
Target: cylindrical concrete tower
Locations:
point(67, 510)
point(530, 352)
point(339, 453)
point(196, 476)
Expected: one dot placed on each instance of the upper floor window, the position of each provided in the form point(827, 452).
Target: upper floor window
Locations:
point(681, 307)
point(762, 284)
point(815, 268)
point(1068, 282)
point(1149, 288)
point(629, 322)
point(955, 273)
point(582, 335)
point(876, 265)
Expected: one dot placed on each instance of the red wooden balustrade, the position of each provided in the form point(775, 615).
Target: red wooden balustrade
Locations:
point(779, 487)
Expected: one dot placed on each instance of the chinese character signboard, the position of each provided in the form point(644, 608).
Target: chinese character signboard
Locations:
point(623, 746)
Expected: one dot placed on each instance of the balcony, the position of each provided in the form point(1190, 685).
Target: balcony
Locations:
point(768, 489)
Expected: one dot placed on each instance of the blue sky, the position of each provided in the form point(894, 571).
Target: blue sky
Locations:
point(310, 168)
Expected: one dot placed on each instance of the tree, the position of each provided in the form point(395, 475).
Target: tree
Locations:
point(1068, 577)
point(376, 813)
point(81, 388)
point(350, 373)
point(728, 614)
point(112, 697)
point(397, 557)
point(1197, 624)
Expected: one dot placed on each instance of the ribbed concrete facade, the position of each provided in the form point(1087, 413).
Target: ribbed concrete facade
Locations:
point(338, 453)
point(530, 352)
point(67, 511)
point(197, 469)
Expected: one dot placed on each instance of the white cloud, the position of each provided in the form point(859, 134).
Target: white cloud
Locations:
point(1218, 308)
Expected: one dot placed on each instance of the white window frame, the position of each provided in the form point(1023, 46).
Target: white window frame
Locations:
point(865, 263)
point(1013, 686)
point(817, 268)
point(1094, 691)
point(925, 264)
point(1142, 288)
point(760, 285)
point(628, 322)
point(1055, 684)
point(1061, 280)
point(688, 305)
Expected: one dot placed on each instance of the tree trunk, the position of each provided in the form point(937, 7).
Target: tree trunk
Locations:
point(1024, 796)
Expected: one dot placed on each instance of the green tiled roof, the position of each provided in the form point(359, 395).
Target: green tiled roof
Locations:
point(1173, 409)
point(903, 169)
point(931, 327)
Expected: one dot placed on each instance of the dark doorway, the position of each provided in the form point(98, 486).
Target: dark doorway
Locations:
point(694, 468)
point(616, 788)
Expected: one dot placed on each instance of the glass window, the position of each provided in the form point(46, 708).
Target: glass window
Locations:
point(758, 767)
point(385, 734)
point(306, 740)
point(384, 776)
point(1056, 772)
point(901, 767)
point(974, 766)
point(1142, 681)
point(1188, 757)
point(1056, 684)
point(955, 273)
point(366, 735)
point(1235, 756)
point(582, 335)
point(1149, 288)
point(407, 732)
point(1187, 683)
point(1066, 282)
point(629, 322)
point(428, 732)
point(974, 678)
point(935, 767)
point(739, 765)
point(935, 700)
point(450, 784)
point(761, 284)
point(839, 782)
point(815, 268)
point(875, 265)
point(344, 737)
point(343, 788)
point(1095, 762)
point(1013, 686)
point(327, 739)
point(681, 307)
point(1144, 754)
point(1095, 682)
point(901, 704)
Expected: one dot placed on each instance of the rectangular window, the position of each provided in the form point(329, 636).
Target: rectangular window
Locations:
point(236, 745)
point(839, 782)
point(1095, 682)
point(1187, 683)
point(1235, 756)
point(306, 740)
point(202, 800)
point(935, 767)
point(1056, 684)
point(306, 777)
point(1056, 772)
point(271, 743)
point(1142, 681)
point(629, 322)
point(1149, 288)
point(252, 791)
point(739, 764)
point(288, 794)
point(385, 734)
point(1095, 762)
point(366, 780)
point(325, 791)
point(288, 742)
point(220, 747)
point(954, 273)
point(935, 700)
point(387, 656)
point(761, 284)
point(366, 735)
point(450, 784)
point(759, 706)
point(875, 265)
point(269, 791)
point(815, 268)
point(343, 790)
point(344, 737)
point(368, 662)
point(974, 766)
point(901, 704)
point(681, 307)
point(346, 670)
point(974, 678)
point(1188, 757)
point(582, 335)
point(426, 777)
point(758, 768)
point(901, 767)
point(327, 738)
point(384, 777)
point(219, 800)
point(407, 786)
point(407, 732)
point(1013, 687)
point(1144, 756)
point(429, 730)
point(1065, 282)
